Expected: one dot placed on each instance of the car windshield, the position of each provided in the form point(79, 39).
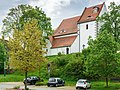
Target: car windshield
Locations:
point(52, 80)
point(80, 81)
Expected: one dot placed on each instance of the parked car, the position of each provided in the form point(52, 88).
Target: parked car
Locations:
point(32, 80)
point(55, 82)
point(83, 83)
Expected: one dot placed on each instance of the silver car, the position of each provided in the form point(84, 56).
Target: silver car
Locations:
point(83, 83)
point(55, 82)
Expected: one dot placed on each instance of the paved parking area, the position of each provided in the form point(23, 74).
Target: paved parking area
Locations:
point(5, 85)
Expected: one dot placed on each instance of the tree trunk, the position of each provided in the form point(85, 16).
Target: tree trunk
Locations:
point(39, 71)
point(25, 80)
point(106, 81)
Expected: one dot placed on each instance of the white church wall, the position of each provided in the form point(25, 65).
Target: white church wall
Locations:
point(55, 51)
point(75, 45)
point(48, 49)
point(85, 33)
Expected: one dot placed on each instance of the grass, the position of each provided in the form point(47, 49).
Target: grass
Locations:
point(41, 83)
point(70, 83)
point(100, 85)
point(11, 78)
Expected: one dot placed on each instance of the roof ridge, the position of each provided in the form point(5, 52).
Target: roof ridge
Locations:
point(82, 15)
point(72, 17)
point(95, 5)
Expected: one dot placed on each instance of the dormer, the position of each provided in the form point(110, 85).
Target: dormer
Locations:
point(89, 17)
point(95, 9)
point(62, 31)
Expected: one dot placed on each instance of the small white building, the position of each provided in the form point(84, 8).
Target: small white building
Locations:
point(72, 34)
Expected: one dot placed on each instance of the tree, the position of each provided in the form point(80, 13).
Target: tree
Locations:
point(111, 21)
point(24, 13)
point(3, 56)
point(26, 48)
point(102, 56)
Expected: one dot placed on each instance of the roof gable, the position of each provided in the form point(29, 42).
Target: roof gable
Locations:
point(90, 13)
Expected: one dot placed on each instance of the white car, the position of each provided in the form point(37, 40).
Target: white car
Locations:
point(83, 83)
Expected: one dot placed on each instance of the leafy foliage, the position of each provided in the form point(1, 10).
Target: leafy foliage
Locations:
point(102, 55)
point(24, 13)
point(75, 69)
point(111, 21)
point(68, 67)
point(25, 48)
point(3, 56)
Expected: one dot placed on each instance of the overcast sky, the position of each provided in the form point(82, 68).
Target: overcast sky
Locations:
point(57, 10)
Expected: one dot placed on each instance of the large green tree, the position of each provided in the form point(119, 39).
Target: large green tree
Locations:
point(26, 48)
point(21, 14)
point(111, 21)
point(102, 58)
point(3, 56)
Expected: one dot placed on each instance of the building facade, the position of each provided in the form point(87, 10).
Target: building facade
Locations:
point(72, 34)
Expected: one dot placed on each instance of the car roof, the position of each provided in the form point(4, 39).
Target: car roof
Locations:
point(82, 80)
point(54, 78)
point(32, 76)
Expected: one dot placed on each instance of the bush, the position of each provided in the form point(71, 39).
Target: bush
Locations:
point(41, 83)
point(58, 65)
point(74, 69)
point(61, 61)
point(59, 53)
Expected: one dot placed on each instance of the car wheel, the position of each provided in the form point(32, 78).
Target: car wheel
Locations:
point(89, 87)
point(48, 85)
point(32, 83)
point(55, 85)
point(86, 88)
point(76, 87)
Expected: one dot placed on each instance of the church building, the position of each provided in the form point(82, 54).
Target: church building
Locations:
point(72, 34)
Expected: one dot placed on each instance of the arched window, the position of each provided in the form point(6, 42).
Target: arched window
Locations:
point(67, 50)
point(86, 26)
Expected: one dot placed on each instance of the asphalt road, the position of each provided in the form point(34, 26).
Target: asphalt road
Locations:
point(5, 85)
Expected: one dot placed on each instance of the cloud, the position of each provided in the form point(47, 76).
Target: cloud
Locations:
point(57, 10)
point(51, 7)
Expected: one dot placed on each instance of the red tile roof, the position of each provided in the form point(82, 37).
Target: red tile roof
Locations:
point(67, 26)
point(89, 14)
point(64, 41)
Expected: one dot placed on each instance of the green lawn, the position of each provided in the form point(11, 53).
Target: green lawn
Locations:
point(11, 78)
point(100, 85)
